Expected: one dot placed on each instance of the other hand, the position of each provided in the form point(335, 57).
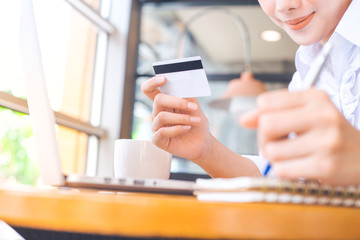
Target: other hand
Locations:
point(326, 146)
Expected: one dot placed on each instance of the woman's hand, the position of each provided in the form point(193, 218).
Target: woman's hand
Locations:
point(179, 125)
point(325, 146)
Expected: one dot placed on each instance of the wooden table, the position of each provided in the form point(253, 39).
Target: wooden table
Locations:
point(150, 215)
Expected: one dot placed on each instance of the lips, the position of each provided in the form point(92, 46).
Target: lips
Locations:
point(300, 23)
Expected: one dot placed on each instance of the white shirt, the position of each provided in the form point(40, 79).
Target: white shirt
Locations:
point(340, 76)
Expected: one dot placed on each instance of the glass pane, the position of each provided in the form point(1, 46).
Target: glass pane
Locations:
point(11, 77)
point(18, 162)
point(73, 150)
point(217, 34)
point(68, 45)
point(18, 156)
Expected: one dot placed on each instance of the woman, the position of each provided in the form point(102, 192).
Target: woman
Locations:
point(325, 119)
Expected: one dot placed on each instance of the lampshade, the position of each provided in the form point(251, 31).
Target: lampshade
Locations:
point(244, 89)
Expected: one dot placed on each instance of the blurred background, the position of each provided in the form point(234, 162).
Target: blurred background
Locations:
point(97, 53)
point(229, 36)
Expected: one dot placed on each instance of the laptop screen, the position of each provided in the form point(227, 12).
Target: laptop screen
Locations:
point(42, 116)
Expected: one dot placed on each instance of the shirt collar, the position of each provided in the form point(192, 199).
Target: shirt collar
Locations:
point(347, 29)
point(304, 56)
point(348, 26)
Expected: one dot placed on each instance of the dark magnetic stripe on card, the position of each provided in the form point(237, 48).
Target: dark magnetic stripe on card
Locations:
point(178, 67)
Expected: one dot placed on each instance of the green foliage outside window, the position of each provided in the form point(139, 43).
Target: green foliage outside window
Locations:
point(15, 142)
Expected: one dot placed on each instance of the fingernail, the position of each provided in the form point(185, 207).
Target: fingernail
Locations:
point(186, 127)
point(160, 79)
point(195, 119)
point(192, 105)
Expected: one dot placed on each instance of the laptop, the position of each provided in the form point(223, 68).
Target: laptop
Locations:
point(43, 123)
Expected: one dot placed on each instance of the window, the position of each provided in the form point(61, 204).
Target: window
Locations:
point(77, 38)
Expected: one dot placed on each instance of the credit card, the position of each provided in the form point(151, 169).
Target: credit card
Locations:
point(186, 77)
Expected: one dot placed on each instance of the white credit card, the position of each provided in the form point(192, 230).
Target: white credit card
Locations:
point(186, 77)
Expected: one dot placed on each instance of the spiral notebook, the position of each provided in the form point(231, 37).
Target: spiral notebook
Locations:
point(273, 190)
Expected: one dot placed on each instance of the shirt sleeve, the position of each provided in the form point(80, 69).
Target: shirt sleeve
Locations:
point(261, 163)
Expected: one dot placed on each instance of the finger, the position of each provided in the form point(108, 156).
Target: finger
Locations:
point(277, 125)
point(249, 119)
point(161, 137)
point(168, 118)
point(282, 99)
point(277, 100)
point(163, 102)
point(288, 148)
point(150, 87)
point(307, 167)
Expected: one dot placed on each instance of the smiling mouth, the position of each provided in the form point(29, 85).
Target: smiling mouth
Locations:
point(300, 23)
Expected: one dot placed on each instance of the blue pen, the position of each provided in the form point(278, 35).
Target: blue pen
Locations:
point(267, 169)
point(310, 79)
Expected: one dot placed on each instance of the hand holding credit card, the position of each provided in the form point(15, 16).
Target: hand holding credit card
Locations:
point(186, 77)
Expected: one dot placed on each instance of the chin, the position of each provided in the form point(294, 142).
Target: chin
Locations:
point(304, 39)
point(304, 42)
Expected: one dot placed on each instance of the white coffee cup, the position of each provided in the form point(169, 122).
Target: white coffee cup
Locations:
point(140, 159)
